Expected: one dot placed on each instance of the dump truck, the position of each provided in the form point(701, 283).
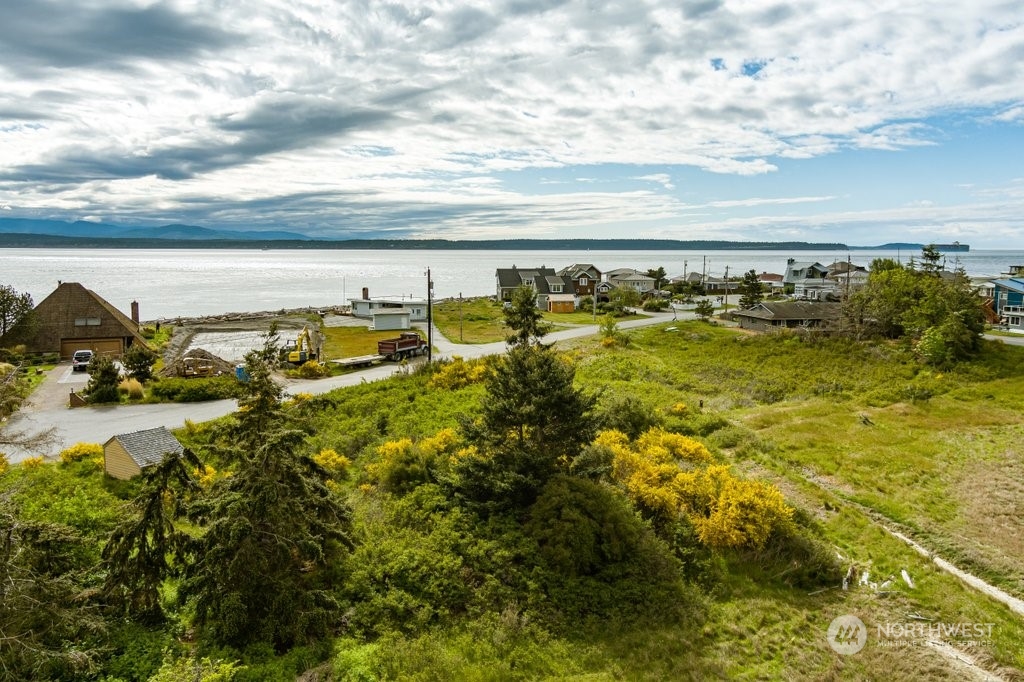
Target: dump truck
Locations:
point(405, 345)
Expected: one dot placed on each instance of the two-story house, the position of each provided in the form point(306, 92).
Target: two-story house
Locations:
point(631, 279)
point(554, 292)
point(1008, 301)
point(809, 280)
point(585, 278)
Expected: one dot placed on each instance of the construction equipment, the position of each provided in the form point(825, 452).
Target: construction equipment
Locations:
point(406, 345)
point(197, 367)
point(301, 350)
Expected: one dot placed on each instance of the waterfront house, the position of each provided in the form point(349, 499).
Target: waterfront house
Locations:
point(127, 454)
point(776, 316)
point(631, 279)
point(584, 276)
point(555, 293)
point(365, 307)
point(1008, 301)
point(771, 282)
point(801, 270)
point(75, 318)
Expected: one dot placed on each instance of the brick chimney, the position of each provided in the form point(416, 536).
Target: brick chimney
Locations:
point(366, 293)
point(135, 312)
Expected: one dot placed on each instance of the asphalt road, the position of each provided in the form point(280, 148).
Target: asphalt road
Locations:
point(47, 408)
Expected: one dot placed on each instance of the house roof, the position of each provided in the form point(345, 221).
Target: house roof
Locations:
point(631, 276)
point(792, 310)
point(56, 314)
point(1011, 283)
point(769, 277)
point(149, 447)
point(577, 269)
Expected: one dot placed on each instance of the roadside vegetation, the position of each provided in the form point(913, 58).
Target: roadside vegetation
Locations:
point(681, 503)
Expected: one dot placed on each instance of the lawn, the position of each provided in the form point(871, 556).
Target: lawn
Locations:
point(351, 342)
point(480, 320)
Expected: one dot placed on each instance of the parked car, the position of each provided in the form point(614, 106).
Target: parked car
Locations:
point(80, 360)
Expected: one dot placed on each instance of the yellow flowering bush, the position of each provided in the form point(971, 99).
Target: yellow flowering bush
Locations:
point(459, 373)
point(32, 462)
point(337, 465)
point(402, 464)
point(729, 512)
point(5, 464)
point(80, 451)
point(666, 475)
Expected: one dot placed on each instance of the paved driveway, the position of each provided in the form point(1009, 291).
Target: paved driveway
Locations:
point(47, 408)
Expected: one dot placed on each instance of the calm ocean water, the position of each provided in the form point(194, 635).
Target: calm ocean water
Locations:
point(185, 282)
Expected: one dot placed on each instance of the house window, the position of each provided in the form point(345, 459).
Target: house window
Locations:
point(584, 281)
point(528, 282)
point(556, 288)
point(87, 321)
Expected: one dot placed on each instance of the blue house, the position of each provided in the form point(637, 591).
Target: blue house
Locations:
point(1008, 301)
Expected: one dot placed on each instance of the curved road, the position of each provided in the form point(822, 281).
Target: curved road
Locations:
point(97, 424)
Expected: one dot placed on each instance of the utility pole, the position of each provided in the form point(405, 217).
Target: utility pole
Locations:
point(726, 288)
point(430, 319)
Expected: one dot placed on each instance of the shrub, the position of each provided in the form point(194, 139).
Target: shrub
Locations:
point(313, 370)
point(653, 305)
point(337, 465)
point(458, 373)
point(138, 362)
point(132, 388)
point(80, 451)
point(628, 414)
point(730, 512)
point(32, 463)
point(196, 390)
point(104, 378)
point(5, 463)
point(403, 465)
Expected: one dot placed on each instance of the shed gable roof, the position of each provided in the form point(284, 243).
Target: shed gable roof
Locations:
point(149, 447)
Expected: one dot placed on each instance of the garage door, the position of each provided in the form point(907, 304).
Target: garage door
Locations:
point(111, 347)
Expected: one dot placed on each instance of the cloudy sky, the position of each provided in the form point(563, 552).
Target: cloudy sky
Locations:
point(696, 119)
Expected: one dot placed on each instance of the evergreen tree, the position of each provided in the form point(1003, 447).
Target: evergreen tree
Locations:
point(48, 627)
point(704, 309)
point(138, 362)
point(534, 422)
point(104, 377)
point(659, 275)
point(273, 526)
point(751, 290)
point(524, 319)
point(141, 551)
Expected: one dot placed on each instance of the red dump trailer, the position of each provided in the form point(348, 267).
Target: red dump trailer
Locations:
point(406, 345)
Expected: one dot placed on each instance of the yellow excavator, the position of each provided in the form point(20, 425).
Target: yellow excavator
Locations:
point(302, 350)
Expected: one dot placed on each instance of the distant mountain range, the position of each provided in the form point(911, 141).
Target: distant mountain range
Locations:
point(31, 233)
point(84, 228)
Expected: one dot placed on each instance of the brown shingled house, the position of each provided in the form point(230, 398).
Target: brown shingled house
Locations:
point(75, 318)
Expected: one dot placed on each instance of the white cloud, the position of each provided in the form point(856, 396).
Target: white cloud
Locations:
point(663, 179)
point(305, 111)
